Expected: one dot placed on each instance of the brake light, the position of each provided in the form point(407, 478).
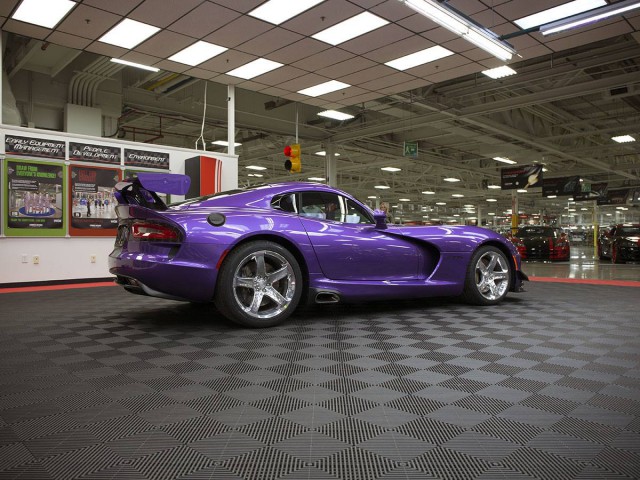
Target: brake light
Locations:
point(154, 231)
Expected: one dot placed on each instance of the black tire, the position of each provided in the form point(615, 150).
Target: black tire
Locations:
point(259, 285)
point(488, 277)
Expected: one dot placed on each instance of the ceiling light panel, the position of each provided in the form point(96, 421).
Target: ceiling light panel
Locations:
point(623, 139)
point(419, 58)
point(334, 114)
point(556, 13)
point(499, 72)
point(128, 33)
point(278, 11)
point(589, 17)
point(45, 13)
point(324, 88)
point(197, 53)
point(351, 28)
point(253, 69)
point(505, 160)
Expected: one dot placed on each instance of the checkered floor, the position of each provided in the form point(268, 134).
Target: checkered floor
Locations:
point(97, 383)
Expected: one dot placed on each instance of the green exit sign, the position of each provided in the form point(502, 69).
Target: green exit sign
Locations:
point(411, 149)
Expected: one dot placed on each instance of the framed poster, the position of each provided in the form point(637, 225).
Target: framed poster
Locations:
point(91, 201)
point(34, 202)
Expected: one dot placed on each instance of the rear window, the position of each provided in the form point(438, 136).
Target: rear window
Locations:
point(535, 232)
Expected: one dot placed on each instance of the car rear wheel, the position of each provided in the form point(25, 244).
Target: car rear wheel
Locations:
point(488, 277)
point(259, 285)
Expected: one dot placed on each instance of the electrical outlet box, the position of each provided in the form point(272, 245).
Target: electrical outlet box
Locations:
point(92, 257)
point(36, 259)
point(25, 258)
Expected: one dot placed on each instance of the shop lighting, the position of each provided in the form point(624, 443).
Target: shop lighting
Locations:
point(499, 72)
point(505, 160)
point(552, 196)
point(428, 192)
point(441, 203)
point(373, 197)
point(197, 53)
point(351, 28)
point(557, 13)
point(521, 190)
point(278, 11)
point(324, 154)
point(492, 199)
point(460, 25)
point(451, 179)
point(427, 55)
point(623, 139)
point(258, 67)
point(256, 167)
point(255, 175)
point(404, 199)
point(457, 195)
point(494, 187)
point(381, 187)
point(45, 13)
point(391, 169)
point(591, 16)
point(335, 115)
point(324, 88)
point(317, 179)
point(224, 143)
point(128, 33)
point(136, 65)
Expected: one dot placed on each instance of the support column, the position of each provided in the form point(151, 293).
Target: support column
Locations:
point(479, 216)
point(231, 119)
point(596, 228)
point(514, 212)
point(331, 166)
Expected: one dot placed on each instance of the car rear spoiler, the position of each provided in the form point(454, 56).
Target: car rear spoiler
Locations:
point(142, 190)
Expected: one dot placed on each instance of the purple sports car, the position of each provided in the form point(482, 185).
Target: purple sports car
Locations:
point(260, 252)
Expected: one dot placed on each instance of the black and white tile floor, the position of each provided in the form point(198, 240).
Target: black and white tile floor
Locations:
point(100, 384)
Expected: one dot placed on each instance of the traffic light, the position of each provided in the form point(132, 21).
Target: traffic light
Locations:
point(293, 163)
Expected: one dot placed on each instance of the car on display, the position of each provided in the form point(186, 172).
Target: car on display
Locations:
point(260, 252)
point(540, 242)
point(621, 243)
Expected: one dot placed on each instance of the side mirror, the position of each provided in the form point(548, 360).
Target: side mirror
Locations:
point(381, 219)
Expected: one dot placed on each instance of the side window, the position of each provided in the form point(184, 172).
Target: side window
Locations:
point(356, 214)
point(321, 205)
point(286, 203)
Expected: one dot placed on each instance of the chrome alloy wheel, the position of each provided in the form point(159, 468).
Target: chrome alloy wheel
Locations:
point(264, 284)
point(492, 275)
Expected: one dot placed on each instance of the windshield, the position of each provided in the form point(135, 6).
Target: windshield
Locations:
point(535, 232)
point(629, 230)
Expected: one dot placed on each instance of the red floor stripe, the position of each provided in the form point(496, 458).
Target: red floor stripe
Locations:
point(68, 286)
point(587, 281)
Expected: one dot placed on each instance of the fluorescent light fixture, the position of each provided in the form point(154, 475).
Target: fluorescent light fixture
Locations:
point(504, 160)
point(419, 58)
point(259, 66)
point(456, 214)
point(256, 167)
point(457, 195)
point(381, 187)
point(521, 190)
point(592, 16)
point(197, 53)
point(556, 13)
point(335, 115)
point(373, 197)
point(391, 169)
point(451, 179)
point(224, 143)
point(499, 72)
point(136, 65)
point(469, 206)
point(324, 154)
point(460, 25)
point(404, 199)
point(623, 139)
point(428, 192)
point(552, 196)
point(316, 179)
point(278, 11)
point(324, 88)
point(492, 200)
point(128, 33)
point(350, 28)
point(491, 214)
point(255, 175)
point(441, 203)
point(494, 187)
point(45, 13)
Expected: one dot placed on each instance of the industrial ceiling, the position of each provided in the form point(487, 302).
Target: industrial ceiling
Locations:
point(572, 92)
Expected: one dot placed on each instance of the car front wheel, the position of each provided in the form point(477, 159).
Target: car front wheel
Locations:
point(259, 284)
point(488, 277)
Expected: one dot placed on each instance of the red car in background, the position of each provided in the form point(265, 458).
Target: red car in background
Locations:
point(539, 242)
point(621, 243)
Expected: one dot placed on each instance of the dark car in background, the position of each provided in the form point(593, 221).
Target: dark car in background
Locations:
point(539, 242)
point(621, 243)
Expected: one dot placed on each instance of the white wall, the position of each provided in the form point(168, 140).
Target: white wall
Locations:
point(69, 258)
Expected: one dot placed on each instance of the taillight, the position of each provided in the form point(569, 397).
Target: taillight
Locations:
point(154, 231)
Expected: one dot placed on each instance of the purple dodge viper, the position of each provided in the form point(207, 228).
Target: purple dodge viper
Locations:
point(260, 252)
